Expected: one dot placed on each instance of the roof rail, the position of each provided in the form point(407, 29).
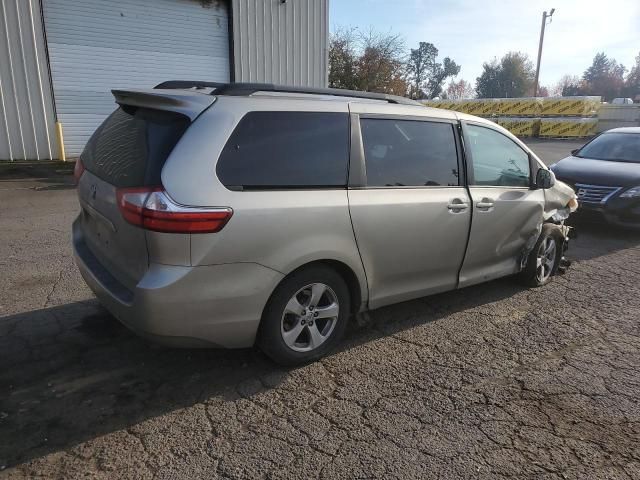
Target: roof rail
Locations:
point(246, 89)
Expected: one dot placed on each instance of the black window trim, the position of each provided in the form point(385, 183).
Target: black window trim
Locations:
point(288, 188)
point(357, 163)
point(469, 157)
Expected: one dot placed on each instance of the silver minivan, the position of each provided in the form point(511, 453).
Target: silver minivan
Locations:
point(239, 214)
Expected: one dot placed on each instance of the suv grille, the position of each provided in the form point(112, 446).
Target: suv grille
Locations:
point(595, 193)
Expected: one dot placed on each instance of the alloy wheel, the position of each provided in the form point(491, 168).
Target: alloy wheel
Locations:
point(545, 259)
point(309, 317)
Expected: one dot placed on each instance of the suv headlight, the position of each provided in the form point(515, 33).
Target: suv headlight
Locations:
point(631, 193)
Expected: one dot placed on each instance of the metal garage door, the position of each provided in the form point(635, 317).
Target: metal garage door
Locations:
point(97, 45)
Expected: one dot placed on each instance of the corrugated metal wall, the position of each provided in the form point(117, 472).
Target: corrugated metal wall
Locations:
point(280, 41)
point(26, 109)
point(98, 45)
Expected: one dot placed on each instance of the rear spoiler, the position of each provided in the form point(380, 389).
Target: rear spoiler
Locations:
point(188, 103)
point(187, 84)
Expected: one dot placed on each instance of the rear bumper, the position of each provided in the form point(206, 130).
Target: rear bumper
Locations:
point(182, 306)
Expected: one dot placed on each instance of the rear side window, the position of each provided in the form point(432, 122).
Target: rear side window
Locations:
point(132, 145)
point(287, 150)
point(409, 153)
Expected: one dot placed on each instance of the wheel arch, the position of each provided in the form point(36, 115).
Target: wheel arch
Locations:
point(357, 291)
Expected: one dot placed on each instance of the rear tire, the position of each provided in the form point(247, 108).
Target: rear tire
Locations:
point(544, 259)
point(305, 317)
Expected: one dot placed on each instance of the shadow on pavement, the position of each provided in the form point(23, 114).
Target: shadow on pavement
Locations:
point(597, 238)
point(72, 373)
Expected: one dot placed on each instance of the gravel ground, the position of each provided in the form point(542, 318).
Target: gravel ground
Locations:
point(492, 381)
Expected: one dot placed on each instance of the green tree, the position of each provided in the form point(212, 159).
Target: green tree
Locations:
point(343, 60)
point(632, 82)
point(426, 74)
point(605, 77)
point(488, 83)
point(420, 60)
point(517, 75)
point(511, 77)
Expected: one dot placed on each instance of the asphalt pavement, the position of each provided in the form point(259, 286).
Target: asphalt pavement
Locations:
point(492, 381)
point(551, 151)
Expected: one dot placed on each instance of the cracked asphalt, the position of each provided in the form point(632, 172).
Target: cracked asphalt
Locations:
point(493, 381)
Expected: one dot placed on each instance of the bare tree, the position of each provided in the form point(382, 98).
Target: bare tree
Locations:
point(460, 89)
point(371, 61)
point(564, 84)
point(343, 59)
point(543, 91)
point(375, 61)
point(381, 63)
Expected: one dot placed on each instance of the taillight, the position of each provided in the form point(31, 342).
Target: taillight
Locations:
point(151, 208)
point(78, 170)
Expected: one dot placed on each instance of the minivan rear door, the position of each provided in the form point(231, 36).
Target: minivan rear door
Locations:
point(128, 151)
point(411, 210)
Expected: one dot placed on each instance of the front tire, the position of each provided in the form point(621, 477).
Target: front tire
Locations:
point(305, 317)
point(545, 257)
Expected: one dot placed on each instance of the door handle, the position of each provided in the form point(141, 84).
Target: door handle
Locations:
point(457, 205)
point(485, 204)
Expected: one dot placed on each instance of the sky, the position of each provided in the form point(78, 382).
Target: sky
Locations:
point(472, 32)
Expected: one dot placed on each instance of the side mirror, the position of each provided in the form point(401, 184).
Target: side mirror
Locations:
point(574, 151)
point(545, 178)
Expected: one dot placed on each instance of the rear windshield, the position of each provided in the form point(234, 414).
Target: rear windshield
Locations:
point(130, 148)
point(271, 150)
point(619, 147)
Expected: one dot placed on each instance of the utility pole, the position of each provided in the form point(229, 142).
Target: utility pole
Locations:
point(544, 23)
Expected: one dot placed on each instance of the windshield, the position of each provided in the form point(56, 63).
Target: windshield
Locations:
point(618, 147)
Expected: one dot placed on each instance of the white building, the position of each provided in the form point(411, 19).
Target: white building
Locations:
point(59, 59)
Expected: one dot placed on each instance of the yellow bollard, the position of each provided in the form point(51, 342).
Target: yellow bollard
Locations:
point(60, 138)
